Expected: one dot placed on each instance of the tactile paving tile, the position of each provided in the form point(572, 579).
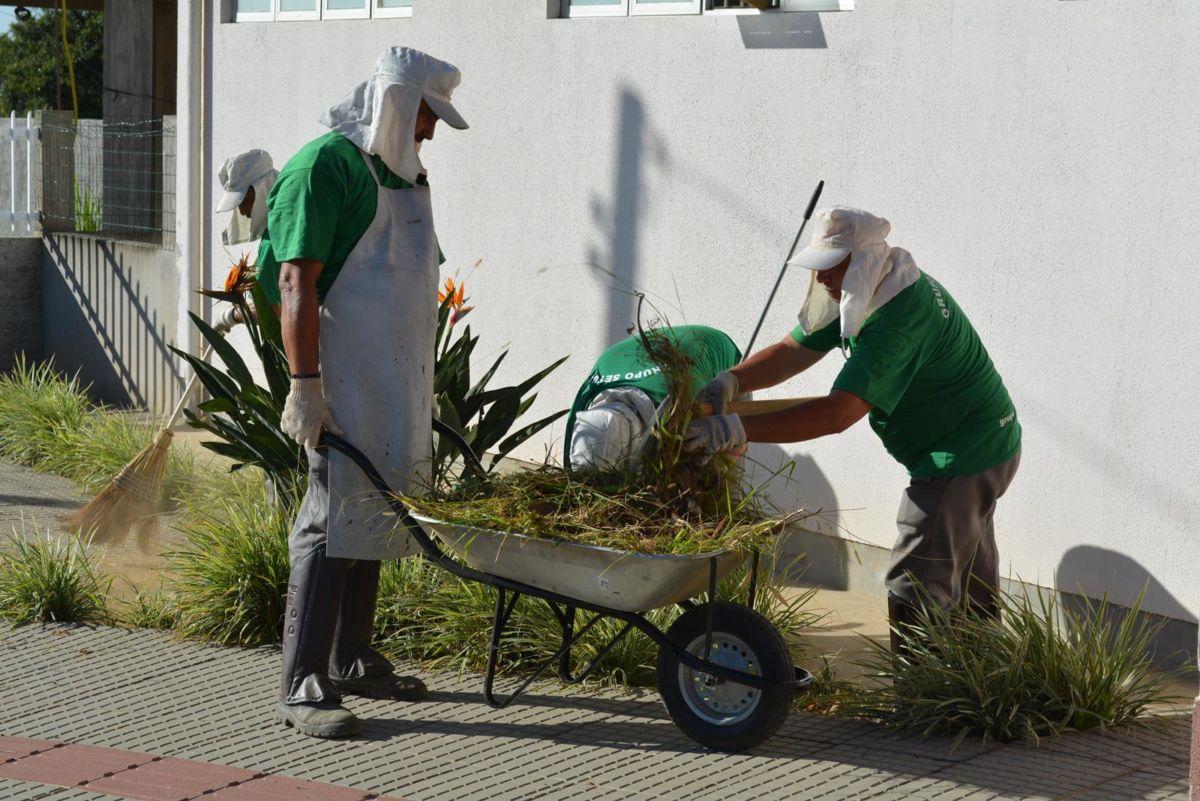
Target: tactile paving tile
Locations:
point(143, 691)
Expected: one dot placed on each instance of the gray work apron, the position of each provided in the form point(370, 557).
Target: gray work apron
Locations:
point(377, 340)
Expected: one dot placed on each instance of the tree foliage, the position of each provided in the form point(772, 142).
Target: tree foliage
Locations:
point(31, 51)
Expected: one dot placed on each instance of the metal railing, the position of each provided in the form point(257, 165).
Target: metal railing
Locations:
point(114, 178)
point(20, 215)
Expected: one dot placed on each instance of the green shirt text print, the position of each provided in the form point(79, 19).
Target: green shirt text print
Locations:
point(937, 401)
point(322, 203)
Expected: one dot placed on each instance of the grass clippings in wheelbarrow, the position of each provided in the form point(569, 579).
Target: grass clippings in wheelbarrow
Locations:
point(675, 502)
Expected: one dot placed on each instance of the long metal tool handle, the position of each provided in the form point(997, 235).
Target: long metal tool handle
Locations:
point(812, 204)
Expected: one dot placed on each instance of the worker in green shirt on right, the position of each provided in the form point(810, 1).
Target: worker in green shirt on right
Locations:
point(915, 363)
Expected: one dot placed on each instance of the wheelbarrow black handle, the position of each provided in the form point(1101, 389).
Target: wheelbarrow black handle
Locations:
point(469, 456)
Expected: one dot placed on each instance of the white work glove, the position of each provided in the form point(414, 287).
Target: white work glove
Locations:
point(719, 433)
point(305, 413)
point(719, 391)
point(228, 319)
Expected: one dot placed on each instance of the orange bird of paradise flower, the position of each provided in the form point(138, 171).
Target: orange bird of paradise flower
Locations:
point(456, 295)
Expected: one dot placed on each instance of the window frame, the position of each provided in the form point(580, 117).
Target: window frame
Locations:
point(618, 9)
point(396, 12)
point(663, 9)
point(254, 16)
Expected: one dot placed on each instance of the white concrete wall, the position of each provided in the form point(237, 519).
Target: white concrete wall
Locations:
point(1037, 156)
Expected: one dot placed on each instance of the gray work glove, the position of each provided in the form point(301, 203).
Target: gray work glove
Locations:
point(719, 433)
point(228, 319)
point(719, 391)
point(305, 413)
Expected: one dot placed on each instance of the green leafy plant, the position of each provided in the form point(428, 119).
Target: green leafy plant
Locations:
point(87, 208)
point(1045, 670)
point(484, 417)
point(44, 580)
point(243, 414)
point(231, 577)
point(150, 610)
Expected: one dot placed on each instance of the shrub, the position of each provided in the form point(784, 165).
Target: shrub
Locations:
point(1043, 671)
point(40, 413)
point(232, 575)
point(48, 423)
point(47, 580)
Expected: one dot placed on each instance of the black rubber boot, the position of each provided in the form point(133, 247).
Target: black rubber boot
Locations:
point(308, 699)
point(902, 617)
point(354, 666)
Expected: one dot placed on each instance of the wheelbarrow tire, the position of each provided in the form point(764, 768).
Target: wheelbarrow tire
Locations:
point(742, 638)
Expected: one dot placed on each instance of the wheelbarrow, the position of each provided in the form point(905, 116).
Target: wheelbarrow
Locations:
point(724, 672)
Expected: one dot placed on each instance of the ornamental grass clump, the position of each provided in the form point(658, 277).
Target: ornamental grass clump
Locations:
point(1044, 670)
point(231, 577)
point(45, 580)
point(672, 502)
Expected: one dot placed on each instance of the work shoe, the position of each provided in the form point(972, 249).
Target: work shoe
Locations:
point(385, 686)
point(319, 719)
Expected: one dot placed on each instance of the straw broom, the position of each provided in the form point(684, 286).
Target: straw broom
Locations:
point(131, 501)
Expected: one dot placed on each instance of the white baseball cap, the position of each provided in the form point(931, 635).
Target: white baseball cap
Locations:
point(239, 173)
point(437, 80)
point(838, 231)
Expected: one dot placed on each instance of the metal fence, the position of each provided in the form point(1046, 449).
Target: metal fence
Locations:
point(114, 178)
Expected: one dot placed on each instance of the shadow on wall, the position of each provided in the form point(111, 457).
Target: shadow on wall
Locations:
point(100, 321)
point(617, 268)
point(798, 483)
point(774, 31)
point(1087, 570)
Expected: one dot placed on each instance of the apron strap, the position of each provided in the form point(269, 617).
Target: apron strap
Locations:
point(371, 167)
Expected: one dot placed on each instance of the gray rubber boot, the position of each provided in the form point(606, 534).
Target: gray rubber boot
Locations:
point(356, 668)
point(308, 700)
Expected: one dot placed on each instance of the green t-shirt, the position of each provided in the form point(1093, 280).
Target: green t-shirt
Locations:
point(937, 401)
point(320, 206)
point(625, 364)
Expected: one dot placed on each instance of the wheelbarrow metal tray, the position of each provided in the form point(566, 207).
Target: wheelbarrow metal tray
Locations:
point(630, 582)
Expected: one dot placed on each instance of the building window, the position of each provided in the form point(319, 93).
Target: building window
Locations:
point(346, 9)
point(640, 8)
point(287, 10)
point(652, 7)
point(254, 11)
point(393, 8)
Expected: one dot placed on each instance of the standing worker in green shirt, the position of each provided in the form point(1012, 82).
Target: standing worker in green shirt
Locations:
point(614, 411)
point(351, 256)
point(915, 363)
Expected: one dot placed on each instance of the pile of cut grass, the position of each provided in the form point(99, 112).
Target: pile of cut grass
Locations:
point(673, 502)
point(613, 510)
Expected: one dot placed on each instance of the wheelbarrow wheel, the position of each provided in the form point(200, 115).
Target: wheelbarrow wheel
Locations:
point(714, 712)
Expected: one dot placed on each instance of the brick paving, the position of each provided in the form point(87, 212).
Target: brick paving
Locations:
point(185, 714)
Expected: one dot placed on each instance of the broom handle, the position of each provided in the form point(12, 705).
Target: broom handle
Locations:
point(187, 392)
point(751, 407)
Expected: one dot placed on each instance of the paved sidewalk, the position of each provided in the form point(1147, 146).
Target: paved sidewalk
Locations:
point(142, 692)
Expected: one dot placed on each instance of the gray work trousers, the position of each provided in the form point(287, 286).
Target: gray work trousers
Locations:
point(947, 541)
point(330, 611)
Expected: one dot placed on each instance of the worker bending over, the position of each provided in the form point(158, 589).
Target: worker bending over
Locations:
point(614, 411)
point(916, 365)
